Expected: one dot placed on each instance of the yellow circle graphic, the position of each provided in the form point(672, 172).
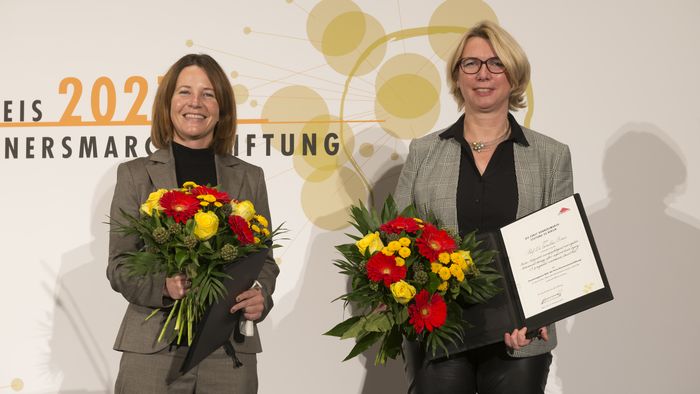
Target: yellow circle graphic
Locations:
point(326, 203)
point(366, 150)
point(342, 32)
point(17, 384)
point(456, 13)
point(322, 134)
point(408, 92)
point(241, 94)
point(292, 106)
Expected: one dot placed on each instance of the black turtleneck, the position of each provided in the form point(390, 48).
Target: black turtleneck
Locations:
point(196, 165)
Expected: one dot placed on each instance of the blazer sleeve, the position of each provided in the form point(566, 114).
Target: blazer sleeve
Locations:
point(270, 270)
point(562, 180)
point(403, 195)
point(140, 290)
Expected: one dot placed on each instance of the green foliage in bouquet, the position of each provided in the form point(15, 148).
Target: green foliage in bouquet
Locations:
point(409, 279)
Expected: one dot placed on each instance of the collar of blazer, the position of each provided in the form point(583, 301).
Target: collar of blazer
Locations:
point(229, 173)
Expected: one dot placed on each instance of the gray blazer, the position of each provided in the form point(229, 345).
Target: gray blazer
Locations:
point(136, 179)
point(431, 172)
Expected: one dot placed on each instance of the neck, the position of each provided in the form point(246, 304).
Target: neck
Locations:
point(484, 126)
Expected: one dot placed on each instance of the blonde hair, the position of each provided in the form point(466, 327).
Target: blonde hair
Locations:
point(162, 128)
point(510, 53)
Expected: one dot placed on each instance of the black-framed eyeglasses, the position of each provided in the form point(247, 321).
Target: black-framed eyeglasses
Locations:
point(472, 65)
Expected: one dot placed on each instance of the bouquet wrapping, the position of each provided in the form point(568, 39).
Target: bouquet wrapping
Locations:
point(409, 279)
point(194, 230)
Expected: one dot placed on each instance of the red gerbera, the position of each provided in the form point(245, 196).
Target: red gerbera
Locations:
point(241, 228)
point(432, 242)
point(399, 224)
point(221, 197)
point(382, 267)
point(427, 312)
point(179, 206)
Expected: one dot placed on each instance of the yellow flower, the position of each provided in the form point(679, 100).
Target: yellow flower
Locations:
point(189, 185)
point(203, 203)
point(435, 267)
point(266, 232)
point(218, 204)
point(153, 202)
point(457, 272)
point(456, 258)
point(261, 219)
point(256, 240)
point(399, 261)
point(387, 251)
point(371, 241)
point(206, 224)
point(444, 273)
point(206, 197)
point(444, 257)
point(404, 241)
point(402, 292)
point(443, 286)
point(255, 228)
point(394, 246)
point(244, 209)
point(404, 252)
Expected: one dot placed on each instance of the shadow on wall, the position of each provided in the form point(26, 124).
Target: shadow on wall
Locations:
point(300, 358)
point(87, 311)
point(641, 342)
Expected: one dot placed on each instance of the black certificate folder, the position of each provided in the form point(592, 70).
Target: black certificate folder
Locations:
point(551, 263)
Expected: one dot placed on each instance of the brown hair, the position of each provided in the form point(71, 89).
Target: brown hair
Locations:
point(225, 130)
point(510, 53)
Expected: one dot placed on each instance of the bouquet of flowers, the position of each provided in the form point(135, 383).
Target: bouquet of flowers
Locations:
point(195, 230)
point(410, 279)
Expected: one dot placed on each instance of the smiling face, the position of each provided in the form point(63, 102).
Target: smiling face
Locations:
point(484, 91)
point(194, 109)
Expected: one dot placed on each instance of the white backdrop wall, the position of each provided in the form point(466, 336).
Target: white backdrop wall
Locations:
point(617, 81)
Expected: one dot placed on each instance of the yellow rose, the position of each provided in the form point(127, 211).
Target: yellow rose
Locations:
point(443, 286)
point(244, 209)
point(387, 251)
point(399, 261)
point(444, 273)
point(457, 272)
point(394, 246)
point(404, 252)
point(371, 241)
point(153, 202)
point(435, 267)
point(261, 219)
point(404, 241)
point(206, 224)
point(444, 257)
point(402, 292)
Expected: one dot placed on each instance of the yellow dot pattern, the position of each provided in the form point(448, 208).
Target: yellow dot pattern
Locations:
point(456, 13)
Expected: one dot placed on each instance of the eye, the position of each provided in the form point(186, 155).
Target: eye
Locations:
point(494, 61)
point(183, 91)
point(210, 95)
point(469, 62)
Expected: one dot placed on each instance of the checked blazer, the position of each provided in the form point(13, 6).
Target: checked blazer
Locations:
point(431, 172)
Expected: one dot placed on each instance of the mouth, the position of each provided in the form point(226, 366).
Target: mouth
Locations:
point(194, 116)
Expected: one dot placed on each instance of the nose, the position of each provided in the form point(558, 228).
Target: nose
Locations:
point(195, 100)
point(483, 73)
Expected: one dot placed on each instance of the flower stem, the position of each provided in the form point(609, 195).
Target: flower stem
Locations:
point(172, 311)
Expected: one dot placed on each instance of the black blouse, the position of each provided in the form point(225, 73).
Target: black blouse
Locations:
point(196, 165)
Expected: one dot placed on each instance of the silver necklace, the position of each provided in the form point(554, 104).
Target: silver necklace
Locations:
point(482, 146)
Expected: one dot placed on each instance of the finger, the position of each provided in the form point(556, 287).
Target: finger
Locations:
point(522, 337)
point(247, 303)
point(250, 293)
point(544, 333)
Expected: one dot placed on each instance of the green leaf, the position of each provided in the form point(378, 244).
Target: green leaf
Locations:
point(181, 256)
point(364, 343)
point(341, 328)
point(378, 322)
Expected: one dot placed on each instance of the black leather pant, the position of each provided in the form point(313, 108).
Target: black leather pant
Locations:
point(486, 370)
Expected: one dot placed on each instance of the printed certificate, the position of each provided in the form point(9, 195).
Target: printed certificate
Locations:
point(553, 264)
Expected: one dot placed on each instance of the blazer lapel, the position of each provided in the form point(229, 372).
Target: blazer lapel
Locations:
point(161, 169)
point(229, 175)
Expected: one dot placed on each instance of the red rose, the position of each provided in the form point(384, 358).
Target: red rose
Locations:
point(241, 228)
point(427, 312)
point(381, 267)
